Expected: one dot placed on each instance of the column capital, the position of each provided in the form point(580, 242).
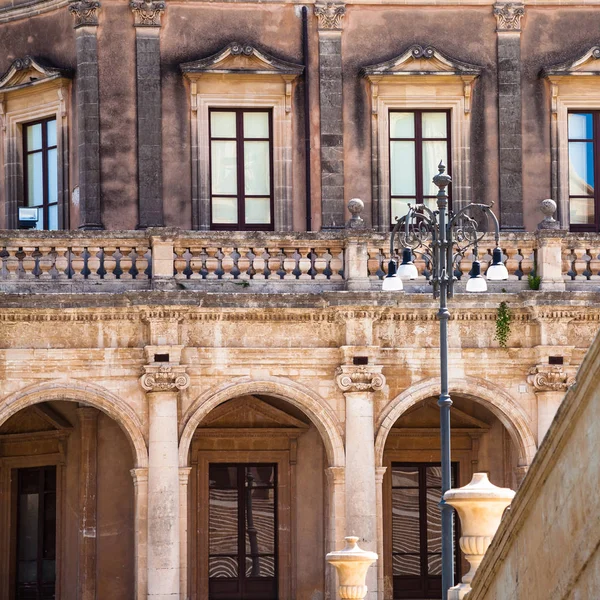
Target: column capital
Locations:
point(184, 475)
point(164, 378)
point(508, 16)
point(379, 473)
point(336, 475)
point(330, 15)
point(551, 378)
point(147, 13)
point(139, 475)
point(85, 13)
point(364, 378)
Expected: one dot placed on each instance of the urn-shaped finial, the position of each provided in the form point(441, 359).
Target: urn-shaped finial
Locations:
point(352, 564)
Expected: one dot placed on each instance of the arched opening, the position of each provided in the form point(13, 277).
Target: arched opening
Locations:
point(259, 501)
point(412, 486)
point(66, 491)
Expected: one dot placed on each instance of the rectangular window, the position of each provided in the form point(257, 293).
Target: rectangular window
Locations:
point(35, 568)
point(242, 562)
point(241, 169)
point(40, 170)
point(584, 129)
point(417, 529)
point(419, 140)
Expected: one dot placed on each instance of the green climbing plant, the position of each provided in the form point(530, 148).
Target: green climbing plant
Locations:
point(502, 324)
point(534, 280)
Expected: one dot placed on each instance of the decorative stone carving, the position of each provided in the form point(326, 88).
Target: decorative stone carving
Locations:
point(164, 378)
point(85, 12)
point(147, 13)
point(330, 15)
point(356, 206)
point(550, 378)
point(508, 16)
point(351, 378)
point(29, 70)
point(548, 208)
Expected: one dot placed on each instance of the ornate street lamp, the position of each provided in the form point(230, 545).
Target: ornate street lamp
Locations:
point(443, 238)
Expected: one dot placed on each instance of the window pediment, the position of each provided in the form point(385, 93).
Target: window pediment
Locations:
point(586, 64)
point(421, 60)
point(29, 71)
point(242, 59)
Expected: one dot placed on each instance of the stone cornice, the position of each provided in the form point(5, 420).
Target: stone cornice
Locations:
point(164, 378)
point(351, 378)
point(508, 16)
point(85, 13)
point(584, 64)
point(147, 13)
point(551, 378)
point(27, 71)
point(330, 15)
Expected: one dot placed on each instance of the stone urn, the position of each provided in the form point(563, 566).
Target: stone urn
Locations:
point(480, 506)
point(352, 565)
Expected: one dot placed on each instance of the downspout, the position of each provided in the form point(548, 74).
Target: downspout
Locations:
point(306, 119)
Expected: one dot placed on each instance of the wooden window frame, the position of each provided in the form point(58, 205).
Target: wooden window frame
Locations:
point(44, 150)
point(241, 195)
point(596, 147)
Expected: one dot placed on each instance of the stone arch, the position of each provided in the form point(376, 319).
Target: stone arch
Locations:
point(310, 403)
point(501, 404)
point(86, 393)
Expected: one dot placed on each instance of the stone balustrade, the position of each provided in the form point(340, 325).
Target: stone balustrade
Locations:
point(268, 261)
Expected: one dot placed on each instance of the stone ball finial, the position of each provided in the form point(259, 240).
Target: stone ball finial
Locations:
point(356, 206)
point(548, 208)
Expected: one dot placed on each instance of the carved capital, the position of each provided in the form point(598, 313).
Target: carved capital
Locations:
point(508, 16)
point(164, 378)
point(85, 12)
point(330, 15)
point(147, 13)
point(351, 378)
point(551, 378)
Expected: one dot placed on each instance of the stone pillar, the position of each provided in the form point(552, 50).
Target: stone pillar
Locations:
point(549, 255)
point(508, 16)
point(85, 13)
point(140, 486)
point(163, 381)
point(184, 476)
point(358, 384)
point(88, 482)
point(550, 383)
point(330, 15)
point(379, 474)
point(336, 513)
point(147, 17)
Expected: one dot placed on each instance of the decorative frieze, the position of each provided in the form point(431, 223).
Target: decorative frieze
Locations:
point(351, 378)
point(508, 16)
point(551, 378)
point(147, 13)
point(330, 15)
point(85, 12)
point(164, 378)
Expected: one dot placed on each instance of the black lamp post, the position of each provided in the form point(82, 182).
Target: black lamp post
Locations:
point(443, 237)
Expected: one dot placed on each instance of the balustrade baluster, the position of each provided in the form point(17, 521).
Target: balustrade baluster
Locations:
point(141, 262)
point(46, 262)
point(259, 263)
point(336, 264)
point(212, 263)
point(276, 257)
point(126, 263)
point(243, 263)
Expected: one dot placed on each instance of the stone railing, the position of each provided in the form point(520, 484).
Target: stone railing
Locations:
point(267, 261)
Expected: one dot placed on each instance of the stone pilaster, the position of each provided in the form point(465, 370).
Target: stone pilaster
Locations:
point(336, 518)
point(379, 475)
point(184, 477)
point(358, 384)
point(508, 17)
point(330, 16)
point(140, 487)
point(85, 14)
point(162, 382)
point(88, 483)
point(147, 17)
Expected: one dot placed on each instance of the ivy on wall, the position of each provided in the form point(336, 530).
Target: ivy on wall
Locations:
point(502, 324)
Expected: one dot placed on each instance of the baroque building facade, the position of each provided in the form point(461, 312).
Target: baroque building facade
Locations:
point(203, 388)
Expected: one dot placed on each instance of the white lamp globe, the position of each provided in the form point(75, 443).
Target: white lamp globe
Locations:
point(407, 269)
point(391, 282)
point(497, 271)
point(476, 282)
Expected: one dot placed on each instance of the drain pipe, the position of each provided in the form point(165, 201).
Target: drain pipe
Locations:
point(306, 119)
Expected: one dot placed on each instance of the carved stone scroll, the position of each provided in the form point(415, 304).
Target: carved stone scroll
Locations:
point(330, 15)
point(359, 379)
point(164, 378)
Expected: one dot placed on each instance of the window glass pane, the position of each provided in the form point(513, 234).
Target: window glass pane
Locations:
point(581, 126)
point(223, 476)
point(223, 521)
point(433, 152)
point(581, 211)
point(405, 476)
point(402, 161)
point(52, 176)
point(51, 132)
point(261, 475)
point(223, 167)
point(434, 564)
point(260, 520)
point(434, 521)
point(256, 168)
point(260, 566)
point(28, 526)
point(434, 125)
point(581, 168)
point(222, 124)
point(222, 566)
point(258, 211)
point(34, 137)
point(53, 217)
point(400, 207)
point(256, 125)
point(433, 477)
point(35, 180)
point(406, 564)
point(405, 520)
point(225, 211)
point(402, 125)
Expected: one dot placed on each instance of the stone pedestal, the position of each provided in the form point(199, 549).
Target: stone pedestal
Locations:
point(549, 259)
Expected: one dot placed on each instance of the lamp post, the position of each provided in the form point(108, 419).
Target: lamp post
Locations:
point(443, 237)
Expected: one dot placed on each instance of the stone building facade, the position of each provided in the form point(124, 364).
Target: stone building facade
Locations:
point(203, 388)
